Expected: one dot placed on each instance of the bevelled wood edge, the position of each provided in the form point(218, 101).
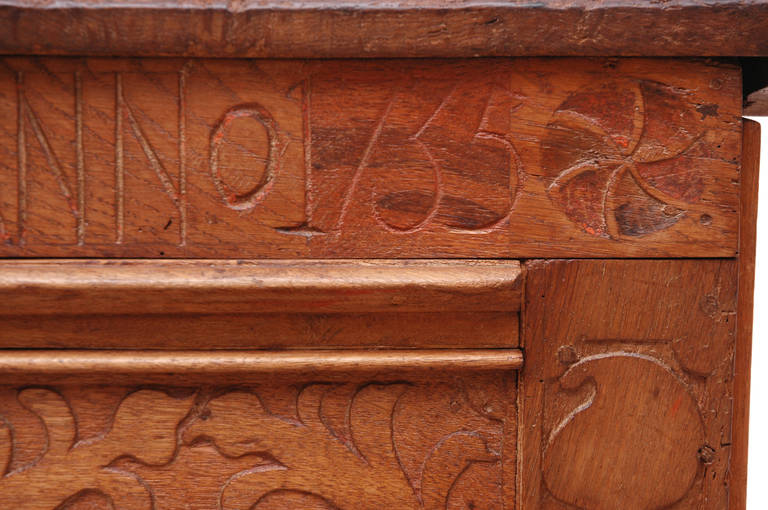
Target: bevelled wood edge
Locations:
point(377, 28)
point(84, 366)
point(64, 287)
point(750, 172)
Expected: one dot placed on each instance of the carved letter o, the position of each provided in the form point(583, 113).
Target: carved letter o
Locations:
point(250, 198)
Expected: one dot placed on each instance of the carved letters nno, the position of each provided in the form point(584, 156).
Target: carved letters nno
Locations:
point(391, 158)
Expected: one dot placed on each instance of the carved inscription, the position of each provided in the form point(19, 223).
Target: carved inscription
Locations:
point(394, 158)
point(361, 445)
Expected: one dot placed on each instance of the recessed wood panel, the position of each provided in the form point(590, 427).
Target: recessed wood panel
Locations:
point(627, 391)
point(391, 158)
point(392, 442)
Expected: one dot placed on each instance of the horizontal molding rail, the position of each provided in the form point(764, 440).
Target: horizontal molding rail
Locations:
point(83, 287)
point(36, 366)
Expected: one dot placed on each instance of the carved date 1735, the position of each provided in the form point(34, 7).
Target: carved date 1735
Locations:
point(515, 158)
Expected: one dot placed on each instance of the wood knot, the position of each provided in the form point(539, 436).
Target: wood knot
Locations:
point(706, 454)
point(567, 355)
point(710, 305)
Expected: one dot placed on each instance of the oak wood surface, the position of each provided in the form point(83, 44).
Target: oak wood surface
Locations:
point(261, 331)
point(626, 397)
point(376, 383)
point(429, 441)
point(381, 28)
point(511, 158)
point(750, 178)
point(183, 367)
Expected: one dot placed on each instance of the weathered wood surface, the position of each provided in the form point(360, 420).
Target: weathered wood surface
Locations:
point(750, 178)
point(358, 444)
point(626, 397)
point(382, 28)
point(403, 159)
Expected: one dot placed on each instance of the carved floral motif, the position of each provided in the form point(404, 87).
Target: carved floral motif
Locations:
point(621, 159)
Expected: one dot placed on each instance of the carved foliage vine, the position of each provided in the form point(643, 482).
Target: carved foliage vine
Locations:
point(360, 446)
point(66, 468)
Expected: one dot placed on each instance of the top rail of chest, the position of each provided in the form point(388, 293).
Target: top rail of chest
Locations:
point(384, 28)
point(475, 158)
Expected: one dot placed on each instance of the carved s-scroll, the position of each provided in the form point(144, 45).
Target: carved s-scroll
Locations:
point(633, 444)
point(327, 446)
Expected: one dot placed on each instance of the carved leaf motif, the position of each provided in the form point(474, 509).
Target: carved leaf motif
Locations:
point(460, 423)
point(66, 470)
point(200, 461)
point(352, 466)
point(620, 159)
point(640, 418)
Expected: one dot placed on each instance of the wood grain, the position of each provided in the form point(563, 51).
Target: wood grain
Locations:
point(261, 331)
point(138, 287)
point(379, 28)
point(627, 393)
point(510, 158)
point(420, 442)
point(750, 178)
point(180, 367)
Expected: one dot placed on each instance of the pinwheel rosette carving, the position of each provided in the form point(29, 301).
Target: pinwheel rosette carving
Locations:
point(620, 159)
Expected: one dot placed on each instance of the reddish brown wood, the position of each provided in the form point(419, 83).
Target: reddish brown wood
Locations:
point(626, 395)
point(379, 28)
point(420, 442)
point(359, 383)
point(396, 159)
point(181, 367)
point(750, 173)
point(262, 330)
point(208, 287)
point(217, 304)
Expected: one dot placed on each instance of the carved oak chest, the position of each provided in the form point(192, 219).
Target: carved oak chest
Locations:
point(419, 255)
